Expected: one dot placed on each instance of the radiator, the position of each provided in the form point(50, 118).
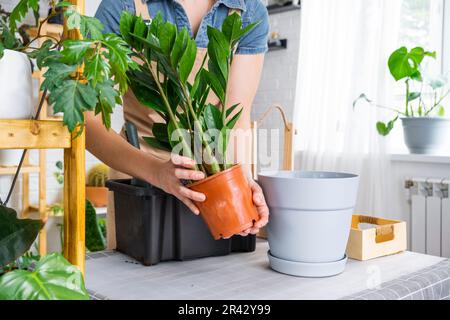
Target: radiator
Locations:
point(429, 227)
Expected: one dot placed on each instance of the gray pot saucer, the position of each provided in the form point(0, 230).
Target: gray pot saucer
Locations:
point(305, 269)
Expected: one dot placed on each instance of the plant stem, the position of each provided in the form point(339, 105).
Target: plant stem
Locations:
point(215, 167)
point(407, 98)
point(169, 110)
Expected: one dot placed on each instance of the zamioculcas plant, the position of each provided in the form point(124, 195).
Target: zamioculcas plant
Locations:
point(82, 75)
point(193, 126)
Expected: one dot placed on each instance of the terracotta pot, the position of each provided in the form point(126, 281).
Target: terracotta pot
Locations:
point(228, 208)
point(98, 196)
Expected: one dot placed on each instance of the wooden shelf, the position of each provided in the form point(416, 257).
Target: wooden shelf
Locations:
point(29, 134)
point(25, 169)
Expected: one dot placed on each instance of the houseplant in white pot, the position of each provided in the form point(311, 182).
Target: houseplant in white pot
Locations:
point(310, 220)
point(15, 83)
point(425, 127)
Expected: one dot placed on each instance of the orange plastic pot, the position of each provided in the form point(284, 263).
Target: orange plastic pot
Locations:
point(228, 208)
point(98, 196)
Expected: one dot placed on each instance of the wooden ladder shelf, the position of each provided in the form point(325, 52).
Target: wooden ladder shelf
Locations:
point(51, 134)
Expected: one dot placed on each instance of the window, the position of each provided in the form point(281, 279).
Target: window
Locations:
point(423, 23)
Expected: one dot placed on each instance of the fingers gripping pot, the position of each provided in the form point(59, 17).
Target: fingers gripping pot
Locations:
point(228, 208)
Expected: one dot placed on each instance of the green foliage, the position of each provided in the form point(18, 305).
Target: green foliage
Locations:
point(20, 11)
point(85, 75)
point(180, 101)
point(53, 278)
point(406, 65)
point(16, 235)
point(95, 241)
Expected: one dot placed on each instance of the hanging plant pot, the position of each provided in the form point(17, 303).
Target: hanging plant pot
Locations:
point(16, 95)
point(310, 220)
point(426, 135)
point(228, 208)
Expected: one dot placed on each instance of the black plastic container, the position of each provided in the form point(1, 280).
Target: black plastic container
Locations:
point(153, 226)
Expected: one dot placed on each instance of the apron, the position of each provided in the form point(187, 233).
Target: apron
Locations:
point(144, 118)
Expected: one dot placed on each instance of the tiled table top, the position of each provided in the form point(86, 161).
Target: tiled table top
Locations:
point(248, 276)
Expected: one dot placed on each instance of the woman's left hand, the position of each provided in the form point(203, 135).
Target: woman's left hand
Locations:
point(261, 207)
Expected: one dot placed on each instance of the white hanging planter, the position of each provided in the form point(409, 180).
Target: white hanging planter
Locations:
point(310, 220)
point(16, 92)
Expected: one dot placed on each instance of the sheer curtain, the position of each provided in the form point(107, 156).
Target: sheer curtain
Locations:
point(345, 45)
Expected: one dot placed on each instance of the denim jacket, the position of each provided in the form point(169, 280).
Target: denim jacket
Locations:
point(254, 42)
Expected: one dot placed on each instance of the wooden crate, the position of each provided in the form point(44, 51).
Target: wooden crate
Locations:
point(386, 237)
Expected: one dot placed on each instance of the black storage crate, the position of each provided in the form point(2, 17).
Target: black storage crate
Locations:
point(153, 226)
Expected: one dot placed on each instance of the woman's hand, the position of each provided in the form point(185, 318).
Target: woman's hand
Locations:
point(167, 177)
point(261, 207)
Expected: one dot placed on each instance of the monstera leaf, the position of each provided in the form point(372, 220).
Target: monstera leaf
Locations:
point(53, 279)
point(16, 235)
point(94, 237)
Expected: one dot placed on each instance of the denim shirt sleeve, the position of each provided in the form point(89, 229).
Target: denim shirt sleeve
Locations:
point(255, 42)
point(109, 13)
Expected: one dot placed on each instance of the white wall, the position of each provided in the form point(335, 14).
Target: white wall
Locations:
point(279, 80)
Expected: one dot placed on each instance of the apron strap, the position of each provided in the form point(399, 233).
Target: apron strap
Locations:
point(142, 9)
point(231, 11)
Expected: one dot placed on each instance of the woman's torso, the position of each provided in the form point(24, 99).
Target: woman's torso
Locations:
point(172, 11)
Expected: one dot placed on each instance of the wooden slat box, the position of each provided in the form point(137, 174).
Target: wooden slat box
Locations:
point(386, 237)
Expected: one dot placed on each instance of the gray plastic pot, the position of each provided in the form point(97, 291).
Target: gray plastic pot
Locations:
point(426, 135)
point(310, 220)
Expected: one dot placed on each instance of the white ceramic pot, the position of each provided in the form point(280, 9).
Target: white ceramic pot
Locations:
point(310, 219)
point(16, 95)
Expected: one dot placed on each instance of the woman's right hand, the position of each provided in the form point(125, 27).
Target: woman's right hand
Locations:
point(168, 175)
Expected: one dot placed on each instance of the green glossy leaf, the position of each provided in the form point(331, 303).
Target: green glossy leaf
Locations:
point(75, 50)
point(215, 84)
point(126, 26)
point(232, 26)
point(213, 117)
point(73, 98)
point(160, 131)
point(405, 64)
point(234, 119)
point(187, 60)
point(94, 237)
point(46, 54)
point(441, 111)
point(154, 143)
point(53, 279)
point(20, 11)
point(96, 68)
point(167, 37)
point(73, 20)
point(413, 96)
point(385, 128)
point(56, 74)
point(16, 235)
point(107, 98)
point(148, 98)
point(179, 47)
point(231, 109)
point(91, 28)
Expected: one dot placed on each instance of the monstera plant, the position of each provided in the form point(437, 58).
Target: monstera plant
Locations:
point(23, 276)
point(423, 111)
point(81, 75)
point(192, 126)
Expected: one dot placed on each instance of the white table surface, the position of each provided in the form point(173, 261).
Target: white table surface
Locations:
point(239, 276)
